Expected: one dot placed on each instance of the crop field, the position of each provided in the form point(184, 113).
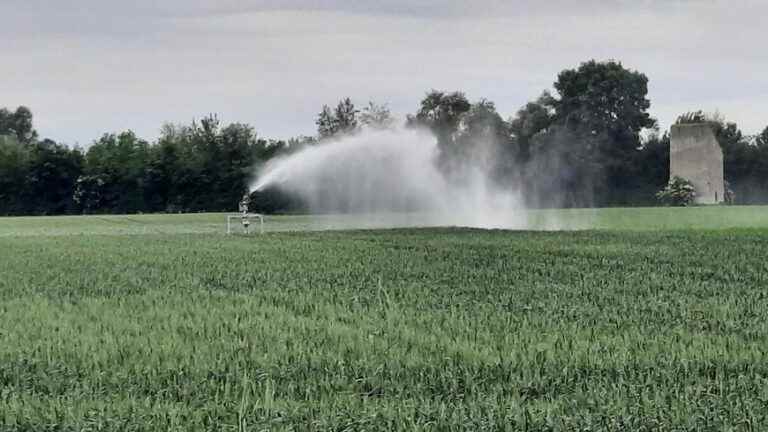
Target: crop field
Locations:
point(651, 320)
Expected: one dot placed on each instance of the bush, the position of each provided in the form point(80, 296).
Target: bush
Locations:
point(730, 196)
point(678, 192)
point(693, 117)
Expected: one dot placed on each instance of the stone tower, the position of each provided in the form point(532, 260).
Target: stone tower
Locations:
point(696, 156)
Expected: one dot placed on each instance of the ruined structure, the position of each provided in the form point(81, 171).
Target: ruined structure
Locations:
point(696, 156)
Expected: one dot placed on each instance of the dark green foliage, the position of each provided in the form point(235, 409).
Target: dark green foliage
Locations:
point(341, 120)
point(441, 113)
point(114, 172)
point(52, 178)
point(484, 136)
point(746, 163)
point(762, 139)
point(37, 177)
point(604, 107)
point(531, 120)
point(18, 124)
point(603, 98)
point(200, 167)
point(582, 147)
point(651, 169)
point(560, 172)
point(326, 123)
point(205, 167)
point(346, 116)
point(15, 159)
point(467, 133)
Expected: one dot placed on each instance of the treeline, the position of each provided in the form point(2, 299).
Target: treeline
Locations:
point(199, 167)
point(590, 143)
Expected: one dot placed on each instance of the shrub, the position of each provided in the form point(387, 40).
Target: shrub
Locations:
point(700, 117)
point(678, 192)
point(730, 196)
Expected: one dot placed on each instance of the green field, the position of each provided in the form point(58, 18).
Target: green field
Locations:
point(635, 219)
point(654, 320)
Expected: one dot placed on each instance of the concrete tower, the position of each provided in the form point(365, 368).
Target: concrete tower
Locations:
point(696, 156)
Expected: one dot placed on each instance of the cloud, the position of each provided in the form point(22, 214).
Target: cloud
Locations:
point(106, 65)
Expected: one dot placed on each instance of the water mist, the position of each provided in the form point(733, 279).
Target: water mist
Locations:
point(390, 178)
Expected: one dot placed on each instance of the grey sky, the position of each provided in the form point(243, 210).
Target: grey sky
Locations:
point(86, 67)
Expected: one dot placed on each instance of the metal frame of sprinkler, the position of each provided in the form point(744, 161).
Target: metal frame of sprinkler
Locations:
point(245, 217)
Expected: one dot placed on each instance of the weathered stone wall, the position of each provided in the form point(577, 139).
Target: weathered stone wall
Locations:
point(695, 155)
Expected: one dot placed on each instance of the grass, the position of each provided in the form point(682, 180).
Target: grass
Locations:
point(635, 219)
point(163, 323)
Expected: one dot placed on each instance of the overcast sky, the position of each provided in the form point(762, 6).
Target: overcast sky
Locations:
point(86, 67)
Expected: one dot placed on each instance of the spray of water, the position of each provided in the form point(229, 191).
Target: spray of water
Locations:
point(390, 178)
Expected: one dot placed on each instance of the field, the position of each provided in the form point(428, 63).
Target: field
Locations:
point(654, 320)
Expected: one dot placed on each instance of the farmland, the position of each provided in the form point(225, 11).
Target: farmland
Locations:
point(655, 319)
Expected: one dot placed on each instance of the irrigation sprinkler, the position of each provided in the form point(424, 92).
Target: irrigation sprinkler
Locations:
point(245, 219)
point(245, 216)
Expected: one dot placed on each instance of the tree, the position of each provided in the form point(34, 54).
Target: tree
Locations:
point(376, 116)
point(277, 147)
point(761, 166)
point(14, 162)
point(89, 193)
point(51, 178)
point(202, 166)
point(441, 112)
point(482, 139)
point(238, 154)
point(742, 162)
point(326, 123)
point(346, 116)
point(119, 161)
point(18, 124)
point(581, 146)
point(468, 135)
point(159, 177)
point(605, 107)
point(533, 119)
point(341, 120)
point(36, 177)
point(603, 97)
point(652, 167)
point(762, 138)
